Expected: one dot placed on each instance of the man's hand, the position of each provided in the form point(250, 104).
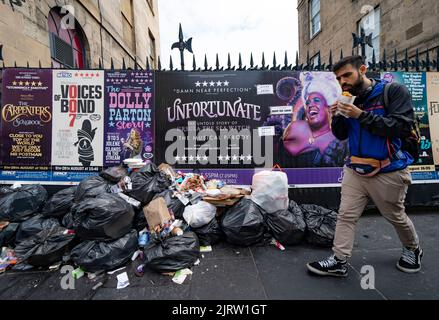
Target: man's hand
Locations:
point(349, 110)
point(333, 109)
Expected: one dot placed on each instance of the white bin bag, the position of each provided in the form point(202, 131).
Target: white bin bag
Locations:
point(270, 190)
point(199, 214)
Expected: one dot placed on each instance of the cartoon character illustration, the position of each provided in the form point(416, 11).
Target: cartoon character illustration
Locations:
point(85, 138)
point(308, 139)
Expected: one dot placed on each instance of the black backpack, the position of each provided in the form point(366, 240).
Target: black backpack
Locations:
point(411, 144)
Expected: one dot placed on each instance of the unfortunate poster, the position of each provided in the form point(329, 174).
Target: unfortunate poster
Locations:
point(78, 120)
point(416, 84)
point(229, 124)
point(433, 112)
point(26, 115)
point(129, 131)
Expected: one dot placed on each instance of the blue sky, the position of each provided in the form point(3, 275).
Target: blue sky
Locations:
point(229, 26)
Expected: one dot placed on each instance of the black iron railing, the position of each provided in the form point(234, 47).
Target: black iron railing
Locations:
point(426, 61)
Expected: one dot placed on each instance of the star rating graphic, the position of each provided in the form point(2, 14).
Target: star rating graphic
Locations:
point(27, 83)
point(221, 158)
point(212, 84)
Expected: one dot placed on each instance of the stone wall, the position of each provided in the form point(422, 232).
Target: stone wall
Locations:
point(411, 24)
point(24, 31)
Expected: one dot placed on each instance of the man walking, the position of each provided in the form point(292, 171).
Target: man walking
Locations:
point(377, 166)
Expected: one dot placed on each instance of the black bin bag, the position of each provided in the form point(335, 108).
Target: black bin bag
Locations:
point(243, 224)
point(210, 233)
point(114, 174)
point(60, 204)
point(92, 187)
point(287, 226)
point(172, 254)
point(45, 248)
point(320, 223)
point(106, 217)
point(34, 225)
point(147, 182)
point(94, 256)
point(16, 205)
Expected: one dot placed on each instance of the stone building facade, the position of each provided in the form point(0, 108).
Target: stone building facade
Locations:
point(394, 25)
point(79, 33)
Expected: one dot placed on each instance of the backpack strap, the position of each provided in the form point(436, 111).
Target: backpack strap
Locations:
point(387, 87)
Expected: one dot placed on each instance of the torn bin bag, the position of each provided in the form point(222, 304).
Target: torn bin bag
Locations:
point(45, 248)
point(18, 204)
point(106, 217)
point(34, 225)
point(320, 223)
point(91, 187)
point(243, 224)
point(94, 256)
point(287, 226)
point(172, 254)
point(146, 183)
point(60, 203)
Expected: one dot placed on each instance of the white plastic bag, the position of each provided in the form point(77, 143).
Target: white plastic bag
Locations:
point(199, 214)
point(270, 190)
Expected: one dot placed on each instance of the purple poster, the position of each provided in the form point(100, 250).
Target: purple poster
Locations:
point(26, 119)
point(129, 131)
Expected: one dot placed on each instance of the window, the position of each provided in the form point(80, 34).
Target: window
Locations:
point(152, 50)
point(314, 6)
point(315, 60)
point(67, 46)
point(128, 23)
point(370, 23)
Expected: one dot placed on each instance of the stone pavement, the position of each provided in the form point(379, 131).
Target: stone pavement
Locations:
point(263, 273)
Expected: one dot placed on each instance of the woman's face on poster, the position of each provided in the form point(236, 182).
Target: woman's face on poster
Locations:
point(316, 106)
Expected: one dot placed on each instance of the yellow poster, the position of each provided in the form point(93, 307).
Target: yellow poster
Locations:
point(433, 112)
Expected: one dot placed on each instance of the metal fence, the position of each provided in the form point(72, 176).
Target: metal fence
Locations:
point(426, 61)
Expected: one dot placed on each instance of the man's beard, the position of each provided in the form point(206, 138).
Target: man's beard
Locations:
point(358, 87)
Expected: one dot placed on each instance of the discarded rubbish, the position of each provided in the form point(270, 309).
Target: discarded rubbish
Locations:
point(199, 214)
point(277, 244)
point(18, 204)
point(287, 226)
point(114, 174)
point(45, 248)
point(106, 217)
point(7, 259)
point(91, 187)
point(243, 224)
point(60, 204)
point(34, 225)
point(270, 190)
point(78, 273)
point(205, 249)
point(147, 182)
point(181, 275)
point(172, 254)
point(210, 233)
point(320, 224)
point(122, 280)
point(95, 256)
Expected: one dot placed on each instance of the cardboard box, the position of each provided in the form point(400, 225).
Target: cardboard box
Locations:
point(156, 213)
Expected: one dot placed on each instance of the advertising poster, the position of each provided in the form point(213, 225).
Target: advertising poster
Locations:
point(129, 102)
point(26, 123)
point(229, 124)
point(433, 112)
point(78, 121)
point(417, 85)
